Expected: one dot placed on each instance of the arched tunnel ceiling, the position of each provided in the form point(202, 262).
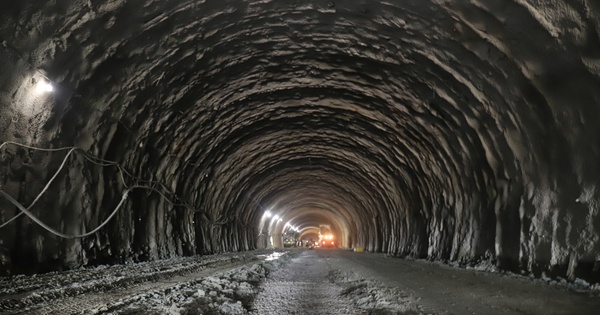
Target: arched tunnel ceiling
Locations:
point(443, 129)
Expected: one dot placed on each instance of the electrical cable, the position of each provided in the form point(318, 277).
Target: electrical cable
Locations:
point(102, 162)
point(67, 236)
point(71, 150)
point(62, 165)
point(99, 162)
point(14, 52)
point(34, 148)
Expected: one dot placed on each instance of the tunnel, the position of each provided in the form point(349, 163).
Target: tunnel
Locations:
point(457, 131)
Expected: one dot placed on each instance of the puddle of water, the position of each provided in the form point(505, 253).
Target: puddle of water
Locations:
point(272, 256)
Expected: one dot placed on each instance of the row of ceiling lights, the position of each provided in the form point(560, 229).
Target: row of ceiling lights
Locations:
point(275, 217)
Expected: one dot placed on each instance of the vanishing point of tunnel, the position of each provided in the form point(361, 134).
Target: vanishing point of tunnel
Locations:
point(460, 131)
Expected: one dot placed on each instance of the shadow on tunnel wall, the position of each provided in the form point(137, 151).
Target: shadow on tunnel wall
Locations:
point(448, 130)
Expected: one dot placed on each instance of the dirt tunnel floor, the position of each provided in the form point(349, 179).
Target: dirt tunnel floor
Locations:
point(303, 286)
point(296, 281)
point(401, 286)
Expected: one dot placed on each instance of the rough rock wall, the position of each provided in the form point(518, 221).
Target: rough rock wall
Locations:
point(454, 130)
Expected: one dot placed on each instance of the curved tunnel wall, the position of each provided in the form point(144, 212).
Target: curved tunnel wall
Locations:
point(453, 130)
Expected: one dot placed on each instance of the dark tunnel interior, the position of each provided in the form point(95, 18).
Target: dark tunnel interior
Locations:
point(449, 130)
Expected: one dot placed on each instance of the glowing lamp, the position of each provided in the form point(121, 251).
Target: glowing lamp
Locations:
point(44, 87)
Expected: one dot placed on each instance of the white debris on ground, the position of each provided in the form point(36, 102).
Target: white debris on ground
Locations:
point(372, 297)
point(489, 266)
point(20, 291)
point(302, 287)
point(168, 286)
point(296, 282)
point(578, 285)
point(229, 292)
point(233, 292)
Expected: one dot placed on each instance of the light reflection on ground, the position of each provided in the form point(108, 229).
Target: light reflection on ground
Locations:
point(272, 256)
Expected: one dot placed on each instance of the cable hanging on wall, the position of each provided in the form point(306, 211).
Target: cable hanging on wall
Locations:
point(62, 165)
point(16, 54)
point(150, 185)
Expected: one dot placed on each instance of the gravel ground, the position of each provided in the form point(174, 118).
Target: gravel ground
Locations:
point(315, 284)
point(191, 285)
point(292, 281)
point(443, 289)
point(302, 287)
